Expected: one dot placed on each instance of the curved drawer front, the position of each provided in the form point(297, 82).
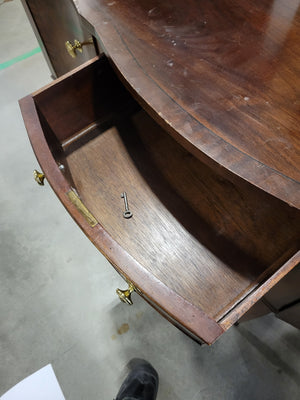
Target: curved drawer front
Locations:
point(199, 246)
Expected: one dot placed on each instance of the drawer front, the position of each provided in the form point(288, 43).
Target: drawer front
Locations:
point(200, 248)
point(55, 23)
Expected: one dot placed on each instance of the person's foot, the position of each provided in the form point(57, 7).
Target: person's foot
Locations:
point(141, 382)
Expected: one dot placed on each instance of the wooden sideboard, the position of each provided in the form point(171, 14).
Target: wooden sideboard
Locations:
point(55, 23)
point(193, 111)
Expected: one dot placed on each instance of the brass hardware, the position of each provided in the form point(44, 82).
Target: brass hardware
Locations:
point(71, 48)
point(125, 295)
point(39, 177)
point(82, 208)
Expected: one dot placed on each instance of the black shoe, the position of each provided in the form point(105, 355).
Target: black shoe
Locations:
point(141, 382)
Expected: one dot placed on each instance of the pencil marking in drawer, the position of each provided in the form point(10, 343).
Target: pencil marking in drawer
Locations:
point(82, 208)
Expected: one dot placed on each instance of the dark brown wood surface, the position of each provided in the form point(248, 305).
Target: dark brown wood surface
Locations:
point(286, 292)
point(201, 247)
point(281, 297)
point(291, 315)
point(221, 76)
point(259, 309)
point(55, 22)
point(38, 37)
point(242, 307)
point(187, 221)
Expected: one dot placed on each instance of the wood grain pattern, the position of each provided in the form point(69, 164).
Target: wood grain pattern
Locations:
point(235, 314)
point(199, 246)
point(193, 319)
point(186, 220)
point(56, 22)
point(222, 77)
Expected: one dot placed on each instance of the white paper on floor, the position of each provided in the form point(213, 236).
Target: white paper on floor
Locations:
point(42, 385)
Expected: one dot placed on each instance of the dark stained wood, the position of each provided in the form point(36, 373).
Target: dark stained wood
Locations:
point(291, 315)
point(241, 308)
point(55, 22)
point(184, 215)
point(94, 94)
point(282, 299)
point(200, 247)
point(195, 320)
point(221, 76)
point(259, 309)
point(286, 292)
point(38, 37)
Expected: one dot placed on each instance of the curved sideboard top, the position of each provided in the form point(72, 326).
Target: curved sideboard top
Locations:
point(221, 77)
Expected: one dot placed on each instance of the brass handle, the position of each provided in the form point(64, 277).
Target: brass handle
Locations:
point(71, 48)
point(39, 177)
point(125, 295)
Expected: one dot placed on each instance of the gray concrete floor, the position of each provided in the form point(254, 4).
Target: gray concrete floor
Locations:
point(57, 293)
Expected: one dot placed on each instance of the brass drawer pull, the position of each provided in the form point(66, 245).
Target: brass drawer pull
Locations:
point(125, 295)
point(71, 48)
point(39, 177)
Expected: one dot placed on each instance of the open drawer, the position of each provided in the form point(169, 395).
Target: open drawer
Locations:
point(201, 247)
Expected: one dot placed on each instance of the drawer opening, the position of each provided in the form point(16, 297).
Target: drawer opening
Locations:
point(210, 240)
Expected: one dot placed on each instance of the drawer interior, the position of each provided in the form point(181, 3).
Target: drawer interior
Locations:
point(209, 238)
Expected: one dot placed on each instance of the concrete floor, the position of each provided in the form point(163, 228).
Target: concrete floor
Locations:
point(57, 293)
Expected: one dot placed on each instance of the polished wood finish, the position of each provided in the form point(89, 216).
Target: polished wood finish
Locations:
point(55, 22)
point(222, 77)
point(202, 246)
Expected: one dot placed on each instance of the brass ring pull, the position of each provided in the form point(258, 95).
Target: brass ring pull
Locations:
point(72, 48)
point(39, 177)
point(125, 295)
